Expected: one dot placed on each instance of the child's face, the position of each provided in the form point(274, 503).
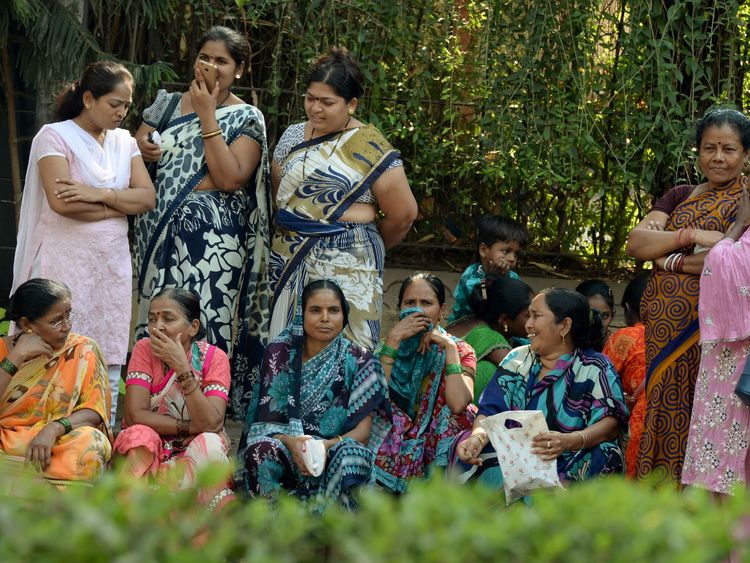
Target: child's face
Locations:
point(499, 257)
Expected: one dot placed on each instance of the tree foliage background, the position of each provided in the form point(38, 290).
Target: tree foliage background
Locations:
point(570, 116)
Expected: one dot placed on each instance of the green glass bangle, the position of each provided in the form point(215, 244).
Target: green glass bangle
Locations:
point(386, 350)
point(65, 424)
point(9, 367)
point(450, 369)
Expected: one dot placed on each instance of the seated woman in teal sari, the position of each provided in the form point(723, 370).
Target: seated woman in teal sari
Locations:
point(576, 388)
point(209, 232)
point(314, 384)
point(431, 386)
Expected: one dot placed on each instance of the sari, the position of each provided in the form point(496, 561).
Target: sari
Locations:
point(669, 310)
point(43, 390)
point(148, 452)
point(212, 242)
point(717, 456)
point(423, 428)
point(582, 389)
point(324, 397)
point(484, 340)
point(626, 348)
point(321, 179)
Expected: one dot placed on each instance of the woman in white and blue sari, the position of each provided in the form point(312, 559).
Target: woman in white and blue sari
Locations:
point(209, 232)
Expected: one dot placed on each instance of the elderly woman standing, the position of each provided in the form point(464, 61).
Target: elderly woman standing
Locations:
point(331, 175)
point(577, 390)
point(85, 176)
point(675, 234)
point(209, 231)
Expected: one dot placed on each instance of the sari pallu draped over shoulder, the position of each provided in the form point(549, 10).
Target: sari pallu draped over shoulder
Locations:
point(669, 310)
point(215, 243)
point(324, 397)
point(46, 389)
point(321, 179)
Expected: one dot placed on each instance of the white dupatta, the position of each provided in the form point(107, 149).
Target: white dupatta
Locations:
point(101, 166)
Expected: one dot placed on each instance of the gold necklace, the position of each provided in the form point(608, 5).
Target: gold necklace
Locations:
point(341, 134)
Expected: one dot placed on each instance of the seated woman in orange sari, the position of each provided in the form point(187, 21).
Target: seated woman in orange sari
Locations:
point(54, 392)
point(176, 395)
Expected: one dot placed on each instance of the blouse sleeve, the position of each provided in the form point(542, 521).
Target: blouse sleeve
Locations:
point(152, 115)
point(139, 368)
point(255, 128)
point(674, 197)
point(293, 136)
point(468, 357)
point(217, 379)
point(49, 143)
point(134, 150)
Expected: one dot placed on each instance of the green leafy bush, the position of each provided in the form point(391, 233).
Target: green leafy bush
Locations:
point(606, 520)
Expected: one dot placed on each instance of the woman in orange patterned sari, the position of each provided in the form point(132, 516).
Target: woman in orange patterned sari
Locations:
point(54, 391)
point(675, 234)
point(627, 350)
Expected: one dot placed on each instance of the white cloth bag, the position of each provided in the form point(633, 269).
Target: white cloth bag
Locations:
point(522, 470)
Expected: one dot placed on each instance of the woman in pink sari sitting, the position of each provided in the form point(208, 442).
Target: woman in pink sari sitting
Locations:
point(176, 397)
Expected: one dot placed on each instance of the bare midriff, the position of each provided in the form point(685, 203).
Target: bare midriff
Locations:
point(359, 213)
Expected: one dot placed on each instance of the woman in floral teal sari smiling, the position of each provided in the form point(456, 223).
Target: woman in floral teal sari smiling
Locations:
point(559, 374)
point(314, 384)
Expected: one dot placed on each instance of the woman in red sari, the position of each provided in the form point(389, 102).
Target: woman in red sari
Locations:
point(675, 234)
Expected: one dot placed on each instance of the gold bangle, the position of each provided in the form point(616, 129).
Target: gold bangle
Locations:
point(105, 211)
point(211, 134)
point(117, 196)
point(340, 438)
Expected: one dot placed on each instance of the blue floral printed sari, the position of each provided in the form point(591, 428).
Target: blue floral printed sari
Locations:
point(213, 242)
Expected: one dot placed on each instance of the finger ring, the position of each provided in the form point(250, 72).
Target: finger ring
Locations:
point(549, 444)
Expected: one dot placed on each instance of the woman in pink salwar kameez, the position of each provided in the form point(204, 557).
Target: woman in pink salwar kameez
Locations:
point(177, 388)
point(717, 450)
point(85, 176)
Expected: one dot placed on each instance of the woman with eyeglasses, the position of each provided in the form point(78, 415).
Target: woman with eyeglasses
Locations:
point(54, 393)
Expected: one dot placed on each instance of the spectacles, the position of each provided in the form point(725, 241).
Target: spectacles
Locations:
point(57, 325)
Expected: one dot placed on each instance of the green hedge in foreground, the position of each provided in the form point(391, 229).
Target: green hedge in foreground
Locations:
point(606, 520)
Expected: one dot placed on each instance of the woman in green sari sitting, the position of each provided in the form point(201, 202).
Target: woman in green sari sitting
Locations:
point(501, 309)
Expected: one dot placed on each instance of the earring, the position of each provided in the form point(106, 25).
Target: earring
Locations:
point(27, 331)
point(351, 112)
point(237, 76)
point(505, 327)
point(562, 335)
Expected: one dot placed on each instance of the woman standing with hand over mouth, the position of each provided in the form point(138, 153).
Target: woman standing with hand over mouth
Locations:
point(209, 230)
